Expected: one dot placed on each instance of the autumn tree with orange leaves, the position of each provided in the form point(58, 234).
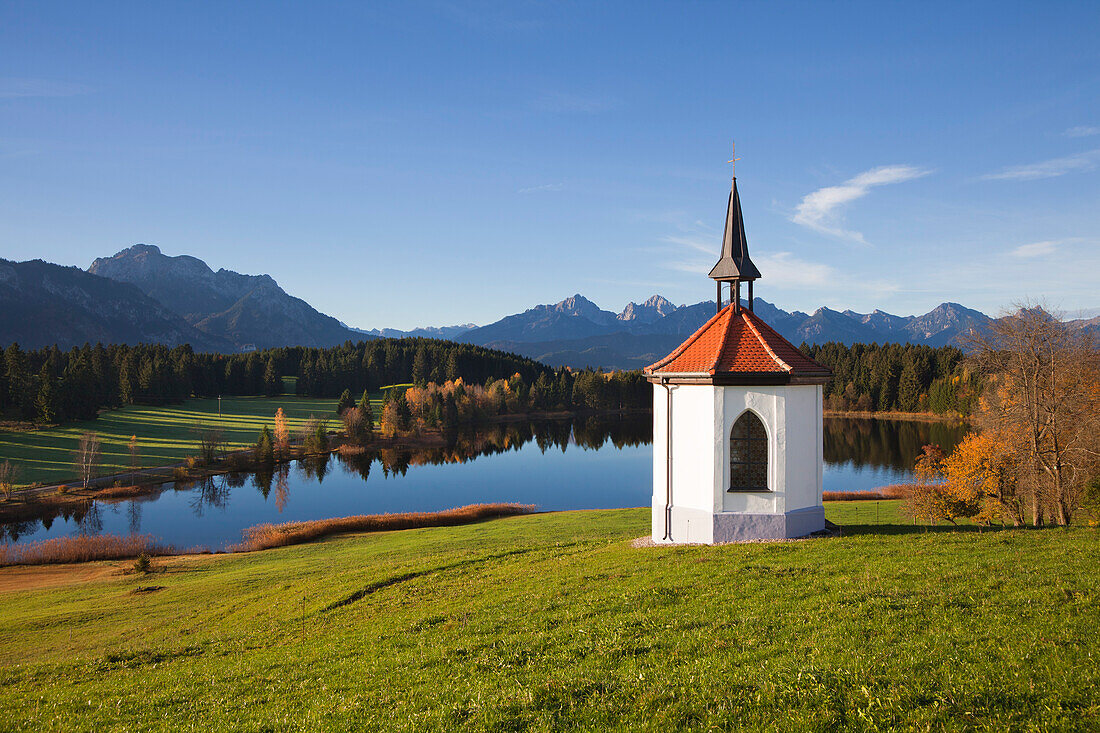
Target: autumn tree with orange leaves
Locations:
point(930, 499)
point(984, 470)
point(1039, 415)
point(282, 433)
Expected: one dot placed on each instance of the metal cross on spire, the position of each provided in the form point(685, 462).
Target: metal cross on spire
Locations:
point(733, 159)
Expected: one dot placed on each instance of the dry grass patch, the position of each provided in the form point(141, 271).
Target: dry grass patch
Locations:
point(265, 536)
point(894, 491)
point(81, 549)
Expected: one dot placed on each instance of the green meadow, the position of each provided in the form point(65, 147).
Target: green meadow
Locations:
point(556, 622)
point(166, 434)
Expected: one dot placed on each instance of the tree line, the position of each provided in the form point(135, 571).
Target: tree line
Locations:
point(905, 377)
point(371, 365)
point(454, 402)
point(53, 386)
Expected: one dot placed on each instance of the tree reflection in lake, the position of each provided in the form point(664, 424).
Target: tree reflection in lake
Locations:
point(580, 463)
point(893, 444)
point(463, 445)
point(282, 486)
point(209, 491)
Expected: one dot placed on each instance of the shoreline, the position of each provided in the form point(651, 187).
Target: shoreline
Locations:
point(894, 415)
point(33, 502)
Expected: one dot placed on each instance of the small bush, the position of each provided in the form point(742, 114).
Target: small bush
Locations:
point(143, 564)
point(239, 461)
point(315, 436)
point(119, 491)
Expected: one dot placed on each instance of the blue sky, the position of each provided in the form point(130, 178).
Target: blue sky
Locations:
point(409, 164)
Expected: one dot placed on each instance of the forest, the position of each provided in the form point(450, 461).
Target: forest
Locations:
point(52, 386)
point(902, 377)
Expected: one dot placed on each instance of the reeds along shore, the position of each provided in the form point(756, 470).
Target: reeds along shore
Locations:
point(85, 548)
point(894, 491)
point(82, 548)
point(266, 536)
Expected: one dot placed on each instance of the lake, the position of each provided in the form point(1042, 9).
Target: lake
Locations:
point(583, 463)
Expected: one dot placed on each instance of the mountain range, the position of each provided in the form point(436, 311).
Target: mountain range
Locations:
point(142, 295)
point(42, 304)
point(576, 332)
point(245, 310)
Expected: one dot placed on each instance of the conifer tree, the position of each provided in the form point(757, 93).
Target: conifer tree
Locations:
point(265, 447)
point(344, 402)
point(420, 370)
point(365, 409)
point(273, 384)
point(908, 388)
point(18, 379)
point(46, 402)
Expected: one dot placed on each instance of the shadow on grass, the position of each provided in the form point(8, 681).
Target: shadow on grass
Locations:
point(852, 530)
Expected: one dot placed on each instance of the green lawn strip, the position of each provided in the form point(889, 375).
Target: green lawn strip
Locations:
point(555, 622)
point(166, 434)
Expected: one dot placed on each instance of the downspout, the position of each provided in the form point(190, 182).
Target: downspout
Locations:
point(668, 460)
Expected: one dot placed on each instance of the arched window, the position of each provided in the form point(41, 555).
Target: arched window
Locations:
point(748, 454)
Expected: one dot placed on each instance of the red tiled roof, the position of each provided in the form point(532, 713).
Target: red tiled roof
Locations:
point(737, 343)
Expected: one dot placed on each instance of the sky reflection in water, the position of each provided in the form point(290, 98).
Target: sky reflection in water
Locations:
point(568, 464)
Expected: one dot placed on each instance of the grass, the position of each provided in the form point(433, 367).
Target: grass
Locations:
point(555, 622)
point(166, 434)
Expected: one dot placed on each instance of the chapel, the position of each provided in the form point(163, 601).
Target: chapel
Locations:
point(737, 432)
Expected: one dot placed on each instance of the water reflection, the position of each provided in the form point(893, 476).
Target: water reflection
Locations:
point(891, 444)
point(208, 492)
point(593, 462)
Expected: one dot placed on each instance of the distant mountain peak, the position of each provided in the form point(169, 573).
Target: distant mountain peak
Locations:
point(656, 306)
point(43, 304)
point(575, 302)
point(245, 309)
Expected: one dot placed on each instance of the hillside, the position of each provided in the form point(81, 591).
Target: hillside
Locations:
point(555, 622)
point(241, 309)
point(42, 304)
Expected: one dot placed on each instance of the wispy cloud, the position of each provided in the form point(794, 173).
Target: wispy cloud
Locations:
point(1035, 249)
point(696, 254)
point(1082, 131)
point(1077, 163)
point(572, 103)
point(821, 210)
point(542, 188)
point(786, 270)
point(707, 246)
point(14, 88)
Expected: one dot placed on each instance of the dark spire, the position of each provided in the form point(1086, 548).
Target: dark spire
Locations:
point(734, 263)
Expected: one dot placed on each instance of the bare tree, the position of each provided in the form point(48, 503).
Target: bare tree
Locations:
point(132, 446)
point(1043, 396)
point(356, 425)
point(9, 474)
point(210, 442)
point(86, 458)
